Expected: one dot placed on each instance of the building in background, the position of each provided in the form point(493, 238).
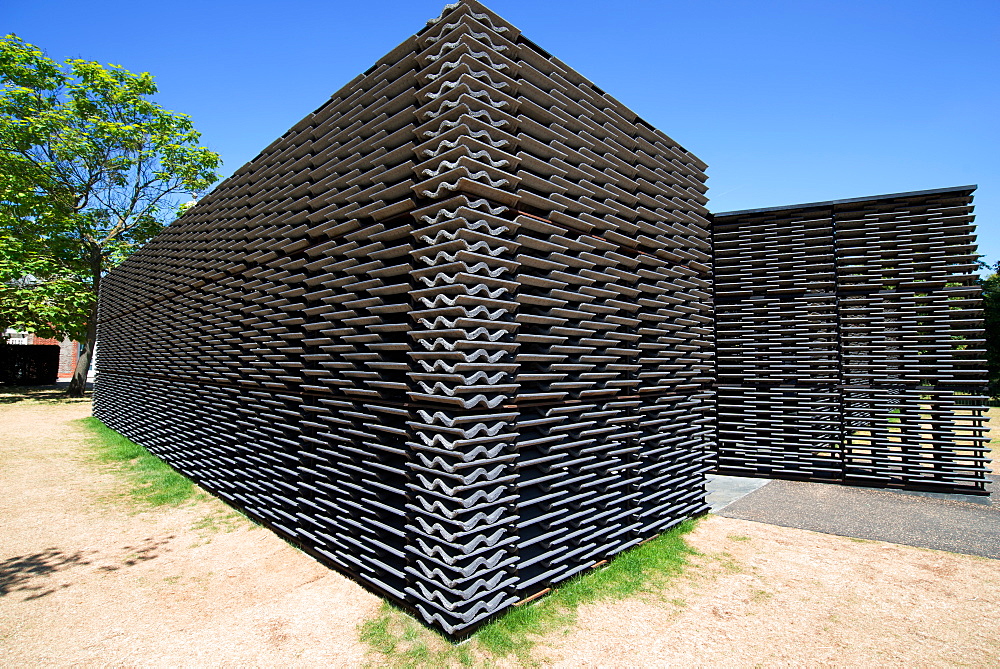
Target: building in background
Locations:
point(69, 351)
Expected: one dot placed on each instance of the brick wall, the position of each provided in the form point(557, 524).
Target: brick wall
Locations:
point(68, 353)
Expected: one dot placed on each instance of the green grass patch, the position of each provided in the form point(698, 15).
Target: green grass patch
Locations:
point(404, 642)
point(152, 481)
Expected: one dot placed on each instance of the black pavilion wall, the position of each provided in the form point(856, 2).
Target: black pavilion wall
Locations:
point(451, 333)
point(850, 342)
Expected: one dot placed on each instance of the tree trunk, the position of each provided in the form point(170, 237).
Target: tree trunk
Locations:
point(78, 384)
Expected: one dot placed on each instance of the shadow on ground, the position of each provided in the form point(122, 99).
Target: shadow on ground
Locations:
point(28, 573)
point(31, 574)
point(45, 394)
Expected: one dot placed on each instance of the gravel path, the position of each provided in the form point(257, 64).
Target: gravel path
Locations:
point(962, 524)
point(88, 579)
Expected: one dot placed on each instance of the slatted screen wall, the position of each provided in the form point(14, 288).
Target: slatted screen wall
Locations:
point(850, 342)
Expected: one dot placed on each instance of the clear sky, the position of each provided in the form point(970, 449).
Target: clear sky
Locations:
point(787, 101)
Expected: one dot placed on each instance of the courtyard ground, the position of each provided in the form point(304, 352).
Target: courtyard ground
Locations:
point(88, 577)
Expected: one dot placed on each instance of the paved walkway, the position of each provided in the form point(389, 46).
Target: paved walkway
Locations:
point(956, 523)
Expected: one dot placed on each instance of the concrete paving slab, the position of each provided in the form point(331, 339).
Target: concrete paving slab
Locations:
point(724, 490)
point(927, 520)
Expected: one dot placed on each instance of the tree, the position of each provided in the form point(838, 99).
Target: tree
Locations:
point(991, 322)
point(90, 169)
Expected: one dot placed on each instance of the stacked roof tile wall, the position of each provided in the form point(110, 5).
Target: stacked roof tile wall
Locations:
point(451, 333)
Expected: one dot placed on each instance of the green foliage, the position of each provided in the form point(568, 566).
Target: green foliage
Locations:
point(90, 169)
point(39, 294)
point(152, 481)
point(991, 317)
point(645, 569)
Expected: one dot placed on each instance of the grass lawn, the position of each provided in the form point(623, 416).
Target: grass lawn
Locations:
point(993, 413)
point(402, 641)
point(152, 481)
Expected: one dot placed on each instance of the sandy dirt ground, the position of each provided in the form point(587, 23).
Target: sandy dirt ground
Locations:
point(86, 578)
point(763, 595)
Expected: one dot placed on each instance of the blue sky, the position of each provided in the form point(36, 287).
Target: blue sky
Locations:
point(787, 101)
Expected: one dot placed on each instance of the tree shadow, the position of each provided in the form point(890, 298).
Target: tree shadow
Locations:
point(31, 574)
point(44, 394)
point(148, 550)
